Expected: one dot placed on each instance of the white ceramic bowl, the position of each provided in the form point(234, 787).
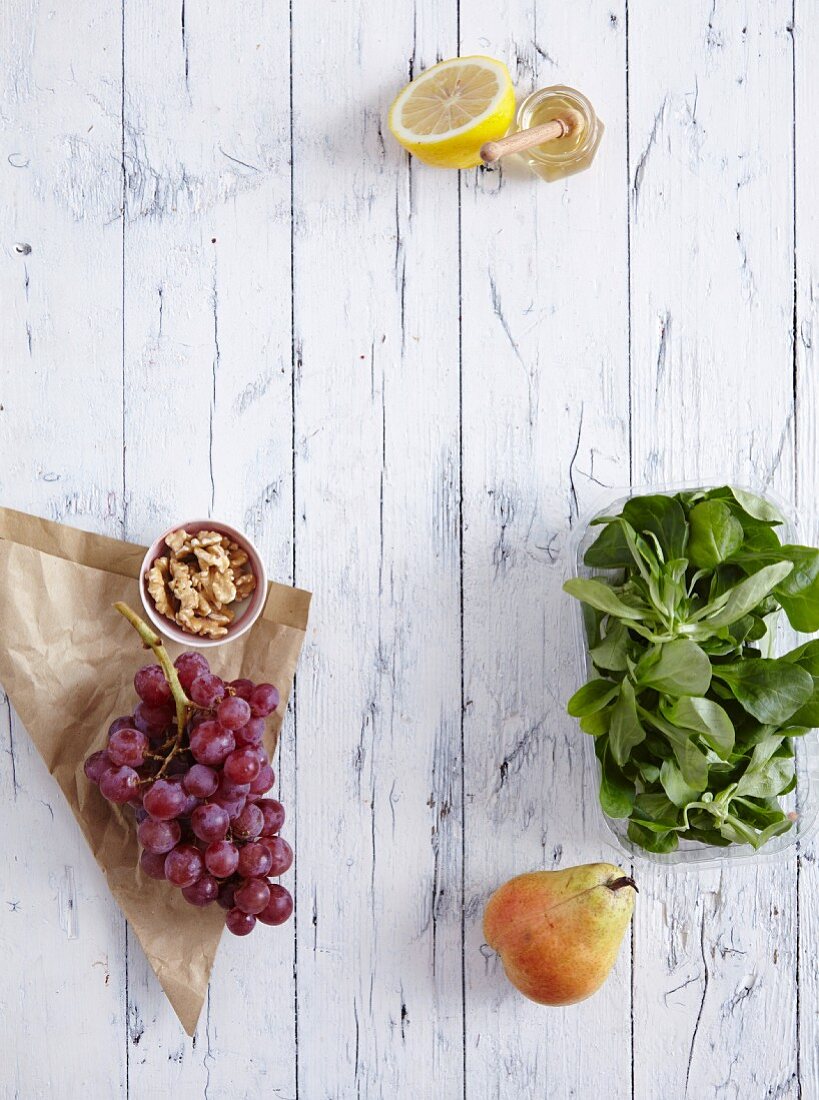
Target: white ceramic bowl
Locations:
point(247, 611)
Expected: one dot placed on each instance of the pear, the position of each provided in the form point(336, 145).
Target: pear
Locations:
point(558, 932)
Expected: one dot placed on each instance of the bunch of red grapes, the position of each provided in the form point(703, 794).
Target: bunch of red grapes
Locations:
point(198, 793)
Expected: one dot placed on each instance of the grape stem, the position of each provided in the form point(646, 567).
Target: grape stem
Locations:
point(151, 640)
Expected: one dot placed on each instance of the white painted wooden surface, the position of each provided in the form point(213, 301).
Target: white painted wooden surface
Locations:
point(225, 289)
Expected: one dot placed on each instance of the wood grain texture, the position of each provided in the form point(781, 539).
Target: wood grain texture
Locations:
point(545, 414)
point(60, 286)
point(228, 292)
point(806, 431)
point(377, 423)
point(712, 195)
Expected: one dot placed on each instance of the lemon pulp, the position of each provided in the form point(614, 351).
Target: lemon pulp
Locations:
point(448, 112)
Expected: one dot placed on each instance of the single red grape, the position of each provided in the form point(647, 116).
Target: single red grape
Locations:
point(281, 854)
point(279, 908)
point(207, 690)
point(119, 784)
point(250, 734)
point(273, 813)
point(222, 858)
point(226, 895)
point(242, 688)
point(200, 781)
point(188, 667)
point(191, 801)
point(164, 800)
point(233, 803)
point(126, 722)
point(239, 923)
point(184, 865)
point(249, 823)
point(231, 789)
point(210, 743)
point(233, 712)
point(242, 766)
point(159, 836)
point(153, 721)
point(263, 781)
point(128, 746)
point(203, 891)
point(254, 860)
point(263, 700)
point(151, 686)
point(210, 822)
point(153, 864)
point(252, 896)
point(96, 764)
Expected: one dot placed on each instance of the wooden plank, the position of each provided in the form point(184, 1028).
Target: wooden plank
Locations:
point(379, 789)
point(806, 91)
point(545, 421)
point(60, 279)
point(208, 424)
point(711, 290)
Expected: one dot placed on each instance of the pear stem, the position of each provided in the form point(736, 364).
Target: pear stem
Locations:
point(619, 883)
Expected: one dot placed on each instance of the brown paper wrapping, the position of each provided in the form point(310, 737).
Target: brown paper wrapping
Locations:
point(67, 662)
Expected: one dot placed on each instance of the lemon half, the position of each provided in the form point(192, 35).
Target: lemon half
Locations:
point(448, 112)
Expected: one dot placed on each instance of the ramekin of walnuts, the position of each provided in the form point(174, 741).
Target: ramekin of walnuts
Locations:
point(203, 583)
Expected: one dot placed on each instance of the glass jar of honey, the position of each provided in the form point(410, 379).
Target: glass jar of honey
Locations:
point(570, 153)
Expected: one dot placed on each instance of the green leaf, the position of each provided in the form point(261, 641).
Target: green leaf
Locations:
point(771, 768)
point(658, 809)
point(707, 836)
point(610, 653)
point(737, 831)
point(808, 715)
point(610, 549)
point(744, 597)
point(600, 596)
point(662, 517)
point(757, 507)
point(776, 829)
point(692, 761)
point(770, 690)
point(760, 813)
point(799, 591)
point(651, 841)
point(625, 730)
point(795, 731)
point(706, 717)
point(752, 733)
point(617, 793)
point(597, 723)
point(715, 534)
point(649, 772)
point(759, 539)
point(806, 656)
point(675, 668)
point(675, 785)
point(592, 697)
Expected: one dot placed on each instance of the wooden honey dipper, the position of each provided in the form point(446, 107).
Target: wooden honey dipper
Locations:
point(492, 151)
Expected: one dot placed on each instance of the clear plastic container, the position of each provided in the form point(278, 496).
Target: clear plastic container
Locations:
point(804, 799)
